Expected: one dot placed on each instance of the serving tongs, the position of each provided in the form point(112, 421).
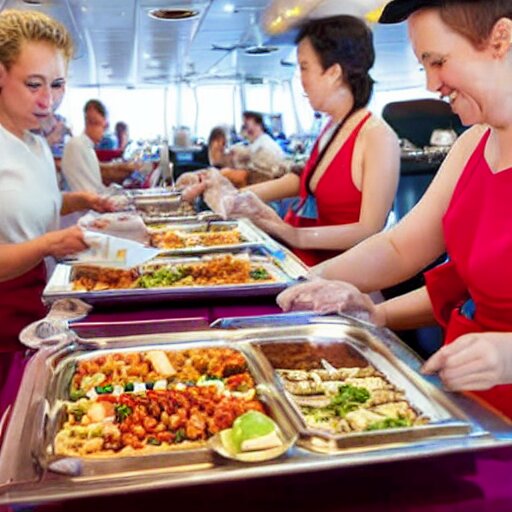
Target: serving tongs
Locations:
point(54, 328)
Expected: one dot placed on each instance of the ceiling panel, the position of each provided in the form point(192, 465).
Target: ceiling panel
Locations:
point(118, 43)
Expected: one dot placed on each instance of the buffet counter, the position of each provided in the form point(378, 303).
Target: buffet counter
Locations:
point(478, 480)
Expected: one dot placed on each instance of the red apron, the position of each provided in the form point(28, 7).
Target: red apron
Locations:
point(20, 304)
point(478, 235)
point(338, 201)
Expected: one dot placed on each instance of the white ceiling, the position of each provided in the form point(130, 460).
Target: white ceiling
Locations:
point(119, 44)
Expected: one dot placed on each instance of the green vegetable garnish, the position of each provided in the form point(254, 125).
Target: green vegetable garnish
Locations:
point(101, 390)
point(154, 441)
point(259, 274)
point(180, 435)
point(165, 276)
point(128, 386)
point(78, 413)
point(348, 399)
point(389, 423)
point(76, 394)
point(122, 411)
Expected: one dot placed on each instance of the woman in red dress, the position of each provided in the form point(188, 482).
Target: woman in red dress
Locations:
point(350, 180)
point(465, 49)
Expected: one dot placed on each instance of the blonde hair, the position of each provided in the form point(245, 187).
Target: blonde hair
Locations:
point(18, 27)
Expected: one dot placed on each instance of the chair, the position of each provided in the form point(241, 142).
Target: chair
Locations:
point(415, 120)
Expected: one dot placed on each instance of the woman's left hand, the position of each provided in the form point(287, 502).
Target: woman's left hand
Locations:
point(474, 361)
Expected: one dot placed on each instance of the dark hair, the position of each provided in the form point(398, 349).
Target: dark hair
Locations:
point(98, 106)
point(217, 133)
point(255, 116)
point(258, 119)
point(347, 41)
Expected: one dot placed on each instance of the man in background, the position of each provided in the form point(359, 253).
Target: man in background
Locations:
point(259, 161)
point(80, 165)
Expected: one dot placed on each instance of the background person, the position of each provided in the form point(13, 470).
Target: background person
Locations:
point(122, 135)
point(465, 48)
point(80, 165)
point(255, 162)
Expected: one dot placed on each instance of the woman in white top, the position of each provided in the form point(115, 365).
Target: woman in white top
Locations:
point(34, 55)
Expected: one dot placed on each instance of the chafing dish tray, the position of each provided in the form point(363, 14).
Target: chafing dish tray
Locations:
point(155, 192)
point(252, 273)
point(206, 237)
point(164, 209)
point(28, 458)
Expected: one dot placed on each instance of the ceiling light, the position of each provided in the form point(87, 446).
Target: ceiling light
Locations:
point(281, 15)
point(173, 14)
point(229, 8)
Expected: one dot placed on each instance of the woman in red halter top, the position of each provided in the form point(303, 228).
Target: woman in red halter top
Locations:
point(465, 49)
point(349, 182)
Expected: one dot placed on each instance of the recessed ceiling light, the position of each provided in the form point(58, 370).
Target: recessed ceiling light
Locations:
point(229, 7)
point(173, 14)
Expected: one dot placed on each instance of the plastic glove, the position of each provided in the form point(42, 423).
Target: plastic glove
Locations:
point(188, 179)
point(323, 296)
point(248, 205)
point(123, 225)
point(474, 361)
point(218, 190)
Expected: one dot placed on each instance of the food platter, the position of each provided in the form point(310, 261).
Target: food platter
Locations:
point(164, 208)
point(32, 471)
point(206, 237)
point(254, 272)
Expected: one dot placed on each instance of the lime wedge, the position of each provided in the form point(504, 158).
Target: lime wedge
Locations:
point(250, 425)
point(226, 439)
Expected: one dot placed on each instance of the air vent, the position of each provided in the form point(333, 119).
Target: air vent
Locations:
point(260, 50)
point(173, 14)
point(33, 2)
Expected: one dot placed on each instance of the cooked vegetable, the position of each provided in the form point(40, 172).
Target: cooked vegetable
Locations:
point(104, 389)
point(76, 394)
point(161, 363)
point(349, 398)
point(389, 423)
point(122, 412)
point(259, 274)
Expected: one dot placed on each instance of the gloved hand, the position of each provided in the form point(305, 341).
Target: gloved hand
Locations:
point(474, 361)
point(187, 179)
point(324, 296)
point(218, 190)
point(248, 205)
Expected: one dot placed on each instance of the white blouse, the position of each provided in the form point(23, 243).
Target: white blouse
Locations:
point(30, 200)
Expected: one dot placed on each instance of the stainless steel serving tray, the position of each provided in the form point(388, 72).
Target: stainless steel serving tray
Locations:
point(169, 208)
point(156, 192)
point(281, 264)
point(444, 418)
point(24, 477)
point(250, 234)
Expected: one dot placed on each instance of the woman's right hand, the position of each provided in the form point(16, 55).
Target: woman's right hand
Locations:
point(64, 242)
point(324, 296)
